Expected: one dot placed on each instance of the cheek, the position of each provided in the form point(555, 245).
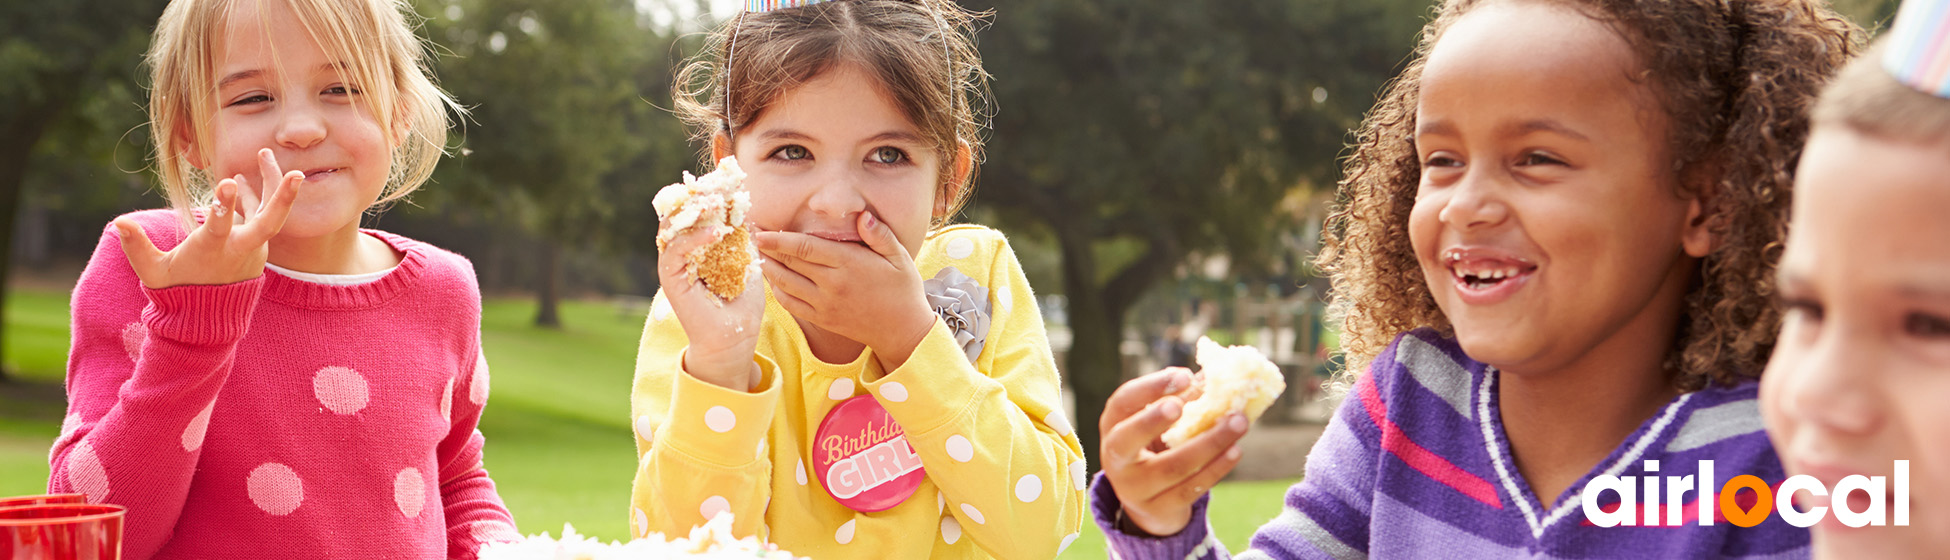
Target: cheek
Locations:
point(1425, 228)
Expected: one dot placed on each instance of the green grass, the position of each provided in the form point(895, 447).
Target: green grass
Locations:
point(559, 443)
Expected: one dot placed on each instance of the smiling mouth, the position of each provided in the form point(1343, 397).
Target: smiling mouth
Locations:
point(311, 173)
point(1479, 270)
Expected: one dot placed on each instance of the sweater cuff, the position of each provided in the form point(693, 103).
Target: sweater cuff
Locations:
point(719, 425)
point(1134, 544)
point(202, 315)
point(935, 385)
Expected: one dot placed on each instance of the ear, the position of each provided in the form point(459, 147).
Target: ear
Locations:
point(720, 146)
point(190, 151)
point(958, 174)
point(1697, 237)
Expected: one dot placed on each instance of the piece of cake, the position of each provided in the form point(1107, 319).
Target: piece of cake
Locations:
point(712, 540)
point(1235, 379)
point(718, 199)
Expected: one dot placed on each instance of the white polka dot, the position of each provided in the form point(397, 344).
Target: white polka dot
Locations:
point(950, 529)
point(799, 473)
point(713, 506)
point(1077, 475)
point(841, 389)
point(275, 488)
point(1056, 421)
point(132, 337)
point(660, 309)
point(960, 448)
point(639, 523)
point(960, 248)
point(1028, 488)
point(85, 473)
point(845, 534)
point(199, 426)
point(410, 491)
point(447, 402)
point(720, 419)
point(493, 531)
point(644, 429)
point(1067, 541)
point(340, 389)
point(477, 388)
point(972, 513)
point(1003, 299)
point(894, 391)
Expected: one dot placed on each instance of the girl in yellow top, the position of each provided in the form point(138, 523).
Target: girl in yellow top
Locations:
point(852, 120)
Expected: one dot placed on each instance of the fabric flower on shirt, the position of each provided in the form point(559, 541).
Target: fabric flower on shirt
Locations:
point(964, 305)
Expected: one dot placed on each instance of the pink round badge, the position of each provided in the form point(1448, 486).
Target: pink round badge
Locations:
point(862, 457)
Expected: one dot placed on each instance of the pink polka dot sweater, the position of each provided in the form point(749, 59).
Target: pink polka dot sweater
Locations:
point(978, 402)
point(277, 418)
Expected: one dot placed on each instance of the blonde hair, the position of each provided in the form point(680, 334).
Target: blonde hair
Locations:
point(1866, 98)
point(920, 50)
point(379, 50)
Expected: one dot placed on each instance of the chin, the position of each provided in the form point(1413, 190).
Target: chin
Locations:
point(1498, 343)
point(305, 223)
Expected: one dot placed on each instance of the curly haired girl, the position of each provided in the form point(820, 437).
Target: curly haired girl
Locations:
point(1553, 259)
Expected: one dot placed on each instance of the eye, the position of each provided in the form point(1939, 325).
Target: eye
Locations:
point(887, 156)
point(1925, 325)
point(1539, 158)
point(1441, 159)
point(792, 152)
point(257, 98)
point(342, 90)
point(1801, 310)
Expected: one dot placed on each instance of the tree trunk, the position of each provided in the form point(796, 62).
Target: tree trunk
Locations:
point(546, 297)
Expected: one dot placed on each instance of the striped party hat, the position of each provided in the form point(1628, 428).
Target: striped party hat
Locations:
point(769, 5)
point(1918, 52)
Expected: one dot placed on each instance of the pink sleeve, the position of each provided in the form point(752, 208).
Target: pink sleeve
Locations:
point(475, 514)
point(144, 372)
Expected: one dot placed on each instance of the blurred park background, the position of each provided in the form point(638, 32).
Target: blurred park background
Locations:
point(1161, 166)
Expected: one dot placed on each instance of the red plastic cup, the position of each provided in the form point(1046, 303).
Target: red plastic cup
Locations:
point(61, 532)
point(40, 499)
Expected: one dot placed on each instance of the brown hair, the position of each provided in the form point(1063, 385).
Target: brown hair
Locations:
point(1865, 97)
point(1736, 78)
point(921, 51)
point(374, 39)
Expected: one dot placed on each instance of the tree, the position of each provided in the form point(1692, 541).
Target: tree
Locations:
point(562, 131)
point(55, 57)
point(1139, 133)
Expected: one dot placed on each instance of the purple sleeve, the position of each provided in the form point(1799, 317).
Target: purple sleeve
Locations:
point(1195, 541)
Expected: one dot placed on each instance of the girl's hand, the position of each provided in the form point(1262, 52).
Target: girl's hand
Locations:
point(230, 245)
point(869, 294)
point(723, 335)
point(1157, 485)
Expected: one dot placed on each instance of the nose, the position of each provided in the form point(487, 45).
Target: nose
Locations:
point(837, 196)
point(1829, 386)
point(1475, 202)
point(302, 125)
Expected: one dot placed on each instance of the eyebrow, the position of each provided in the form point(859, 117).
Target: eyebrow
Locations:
point(892, 135)
point(1446, 128)
point(254, 73)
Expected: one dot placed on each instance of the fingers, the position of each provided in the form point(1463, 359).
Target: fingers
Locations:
point(1136, 394)
point(1186, 460)
point(879, 237)
point(785, 282)
point(221, 217)
point(277, 207)
point(1183, 494)
point(672, 263)
point(1124, 443)
point(268, 174)
point(799, 249)
point(247, 199)
point(142, 253)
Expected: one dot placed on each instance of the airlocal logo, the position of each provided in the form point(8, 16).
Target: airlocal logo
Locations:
point(1766, 498)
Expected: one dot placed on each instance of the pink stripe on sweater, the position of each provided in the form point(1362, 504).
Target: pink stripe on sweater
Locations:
point(1396, 442)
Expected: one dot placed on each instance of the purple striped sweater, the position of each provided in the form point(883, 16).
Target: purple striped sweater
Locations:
point(1414, 464)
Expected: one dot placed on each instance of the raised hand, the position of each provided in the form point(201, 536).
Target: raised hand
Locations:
point(230, 245)
point(723, 336)
point(871, 294)
point(1156, 485)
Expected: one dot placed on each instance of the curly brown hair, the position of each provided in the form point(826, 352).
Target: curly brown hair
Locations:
point(921, 51)
point(1736, 78)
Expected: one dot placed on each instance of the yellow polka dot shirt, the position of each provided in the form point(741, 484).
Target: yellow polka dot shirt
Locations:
point(1004, 469)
